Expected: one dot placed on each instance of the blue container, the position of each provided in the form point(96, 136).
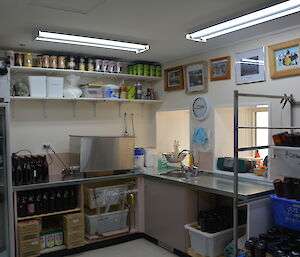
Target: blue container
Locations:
point(286, 212)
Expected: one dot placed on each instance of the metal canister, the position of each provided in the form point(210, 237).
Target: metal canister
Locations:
point(28, 60)
point(45, 61)
point(158, 71)
point(19, 59)
point(130, 69)
point(146, 70)
point(61, 62)
point(134, 70)
point(140, 69)
point(152, 70)
point(53, 62)
point(130, 90)
point(39, 61)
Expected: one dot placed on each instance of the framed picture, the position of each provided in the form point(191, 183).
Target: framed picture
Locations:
point(284, 59)
point(250, 66)
point(220, 68)
point(196, 77)
point(174, 78)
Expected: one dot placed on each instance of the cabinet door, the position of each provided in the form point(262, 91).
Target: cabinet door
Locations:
point(165, 208)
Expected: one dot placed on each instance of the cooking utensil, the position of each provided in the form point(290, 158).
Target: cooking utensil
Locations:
point(125, 134)
point(132, 123)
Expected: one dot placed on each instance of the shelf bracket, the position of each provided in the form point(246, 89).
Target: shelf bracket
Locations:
point(94, 109)
point(44, 109)
point(74, 108)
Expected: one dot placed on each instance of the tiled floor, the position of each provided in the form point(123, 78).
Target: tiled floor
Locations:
point(136, 248)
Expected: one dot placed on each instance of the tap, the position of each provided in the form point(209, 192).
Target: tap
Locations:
point(184, 151)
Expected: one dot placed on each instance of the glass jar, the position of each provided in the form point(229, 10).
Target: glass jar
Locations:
point(45, 61)
point(82, 64)
point(19, 59)
point(98, 64)
point(71, 63)
point(53, 61)
point(61, 62)
point(90, 64)
point(39, 61)
point(28, 60)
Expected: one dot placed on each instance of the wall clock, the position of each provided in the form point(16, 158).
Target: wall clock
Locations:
point(200, 108)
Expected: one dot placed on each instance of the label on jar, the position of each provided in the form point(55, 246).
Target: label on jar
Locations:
point(53, 62)
point(40, 61)
point(19, 60)
point(28, 60)
point(45, 61)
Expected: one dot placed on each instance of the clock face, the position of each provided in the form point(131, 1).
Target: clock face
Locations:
point(200, 108)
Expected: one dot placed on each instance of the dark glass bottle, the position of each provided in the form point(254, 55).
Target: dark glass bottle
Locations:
point(66, 200)
point(22, 204)
point(30, 204)
point(260, 249)
point(45, 176)
point(14, 166)
point(72, 197)
point(45, 201)
point(250, 247)
point(52, 201)
point(58, 200)
point(39, 170)
point(20, 175)
point(38, 202)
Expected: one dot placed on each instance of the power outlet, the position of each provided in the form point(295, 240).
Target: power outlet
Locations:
point(46, 146)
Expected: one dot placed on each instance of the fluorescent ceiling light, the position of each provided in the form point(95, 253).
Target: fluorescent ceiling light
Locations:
point(89, 41)
point(264, 15)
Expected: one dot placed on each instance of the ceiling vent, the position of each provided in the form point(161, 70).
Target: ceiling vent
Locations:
point(75, 6)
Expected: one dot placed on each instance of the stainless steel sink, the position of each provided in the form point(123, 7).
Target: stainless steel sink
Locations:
point(178, 174)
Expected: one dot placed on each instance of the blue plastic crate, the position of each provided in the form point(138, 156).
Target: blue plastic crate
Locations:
point(286, 212)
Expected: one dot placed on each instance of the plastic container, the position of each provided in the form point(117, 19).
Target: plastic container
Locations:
point(91, 91)
point(55, 87)
point(139, 158)
point(111, 91)
point(106, 222)
point(211, 244)
point(37, 86)
point(286, 212)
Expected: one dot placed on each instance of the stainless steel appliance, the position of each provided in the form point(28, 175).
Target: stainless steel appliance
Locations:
point(244, 165)
point(97, 153)
point(6, 231)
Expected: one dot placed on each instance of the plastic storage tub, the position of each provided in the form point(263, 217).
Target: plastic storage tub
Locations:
point(211, 244)
point(286, 212)
point(106, 222)
point(55, 87)
point(37, 86)
point(91, 91)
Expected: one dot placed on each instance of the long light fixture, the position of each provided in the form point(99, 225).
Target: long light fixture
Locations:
point(89, 41)
point(264, 15)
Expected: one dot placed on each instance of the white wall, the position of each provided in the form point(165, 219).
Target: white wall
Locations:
point(221, 92)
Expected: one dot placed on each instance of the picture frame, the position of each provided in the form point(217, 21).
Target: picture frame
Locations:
point(250, 66)
point(174, 78)
point(196, 77)
point(284, 59)
point(220, 68)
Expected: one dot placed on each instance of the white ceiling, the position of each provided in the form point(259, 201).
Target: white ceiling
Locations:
point(160, 23)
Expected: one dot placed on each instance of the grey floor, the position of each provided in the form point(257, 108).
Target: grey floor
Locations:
point(136, 248)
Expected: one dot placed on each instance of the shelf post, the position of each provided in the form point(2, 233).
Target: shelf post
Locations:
point(235, 168)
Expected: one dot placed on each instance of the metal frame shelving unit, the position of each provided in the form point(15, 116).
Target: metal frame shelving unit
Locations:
point(236, 202)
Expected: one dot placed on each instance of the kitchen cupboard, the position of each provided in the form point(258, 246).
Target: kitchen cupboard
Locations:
point(168, 207)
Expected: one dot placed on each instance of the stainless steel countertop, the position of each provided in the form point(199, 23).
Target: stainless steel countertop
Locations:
point(213, 183)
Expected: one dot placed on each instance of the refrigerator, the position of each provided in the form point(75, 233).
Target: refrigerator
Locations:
point(6, 203)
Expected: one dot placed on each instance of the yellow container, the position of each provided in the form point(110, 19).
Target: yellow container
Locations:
point(130, 92)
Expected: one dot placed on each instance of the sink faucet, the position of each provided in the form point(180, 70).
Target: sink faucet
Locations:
point(184, 151)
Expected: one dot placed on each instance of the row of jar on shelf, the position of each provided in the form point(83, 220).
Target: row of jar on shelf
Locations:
point(79, 63)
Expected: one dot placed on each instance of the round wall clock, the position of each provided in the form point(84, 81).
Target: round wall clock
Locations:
point(200, 108)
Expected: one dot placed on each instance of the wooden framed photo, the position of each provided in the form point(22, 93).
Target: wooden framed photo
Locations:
point(250, 66)
point(196, 77)
point(174, 78)
point(284, 59)
point(220, 68)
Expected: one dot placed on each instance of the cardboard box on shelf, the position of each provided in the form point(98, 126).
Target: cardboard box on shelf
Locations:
point(33, 253)
point(29, 248)
point(30, 227)
point(73, 222)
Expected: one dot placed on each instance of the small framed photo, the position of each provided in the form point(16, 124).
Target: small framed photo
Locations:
point(196, 77)
point(250, 66)
point(220, 68)
point(174, 78)
point(284, 59)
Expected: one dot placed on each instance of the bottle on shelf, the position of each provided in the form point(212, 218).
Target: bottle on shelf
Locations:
point(38, 202)
point(58, 200)
point(30, 204)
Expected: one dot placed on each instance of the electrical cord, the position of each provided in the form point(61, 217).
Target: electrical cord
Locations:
point(24, 150)
point(61, 161)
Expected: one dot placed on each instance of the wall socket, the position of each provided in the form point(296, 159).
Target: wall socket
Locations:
point(46, 146)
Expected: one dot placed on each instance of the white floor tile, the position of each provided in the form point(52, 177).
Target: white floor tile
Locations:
point(136, 248)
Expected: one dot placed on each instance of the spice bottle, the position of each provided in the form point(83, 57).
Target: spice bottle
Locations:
point(61, 62)
point(45, 61)
point(71, 63)
point(82, 64)
point(53, 62)
point(28, 60)
point(39, 61)
point(139, 91)
point(123, 92)
point(90, 64)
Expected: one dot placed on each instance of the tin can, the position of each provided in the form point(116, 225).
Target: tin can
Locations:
point(158, 71)
point(130, 92)
point(59, 238)
point(152, 70)
point(53, 62)
point(28, 60)
point(134, 71)
point(42, 242)
point(45, 61)
point(81, 65)
point(98, 64)
point(130, 69)
point(61, 62)
point(146, 70)
point(140, 69)
point(19, 59)
point(39, 61)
